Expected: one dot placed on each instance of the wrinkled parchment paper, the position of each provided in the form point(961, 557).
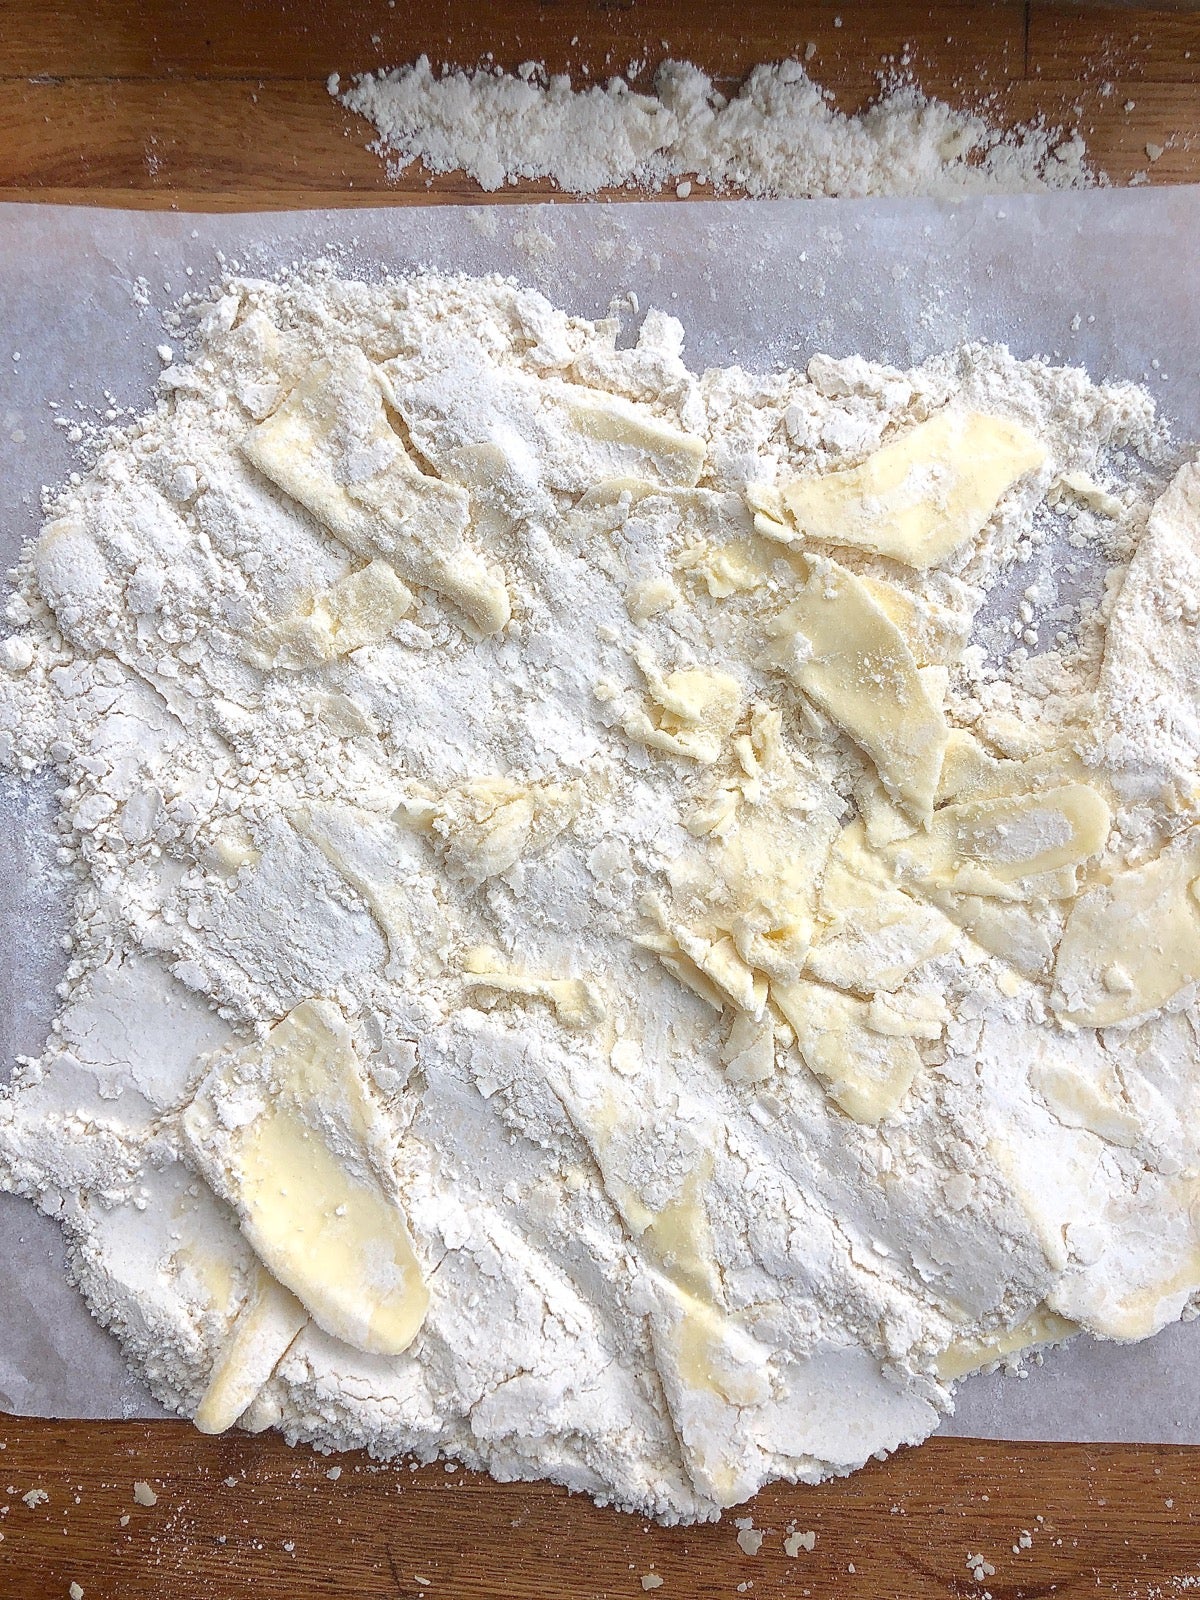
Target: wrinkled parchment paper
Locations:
point(1104, 280)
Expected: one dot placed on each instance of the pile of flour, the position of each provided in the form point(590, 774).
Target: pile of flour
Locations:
point(428, 761)
point(778, 136)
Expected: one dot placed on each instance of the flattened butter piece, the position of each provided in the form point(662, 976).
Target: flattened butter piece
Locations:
point(359, 609)
point(576, 1001)
point(923, 495)
point(1131, 945)
point(970, 772)
point(264, 1329)
point(873, 935)
point(710, 966)
point(837, 645)
point(1041, 1327)
point(1021, 836)
point(749, 1052)
point(486, 825)
point(865, 1072)
point(330, 447)
point(1094, 1101)
point(285, 1132)
point(647, 447)
point(989, 847)
point(689, 713)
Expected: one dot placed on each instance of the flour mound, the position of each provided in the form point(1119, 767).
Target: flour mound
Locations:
point(777, 136)
point(523, 1004)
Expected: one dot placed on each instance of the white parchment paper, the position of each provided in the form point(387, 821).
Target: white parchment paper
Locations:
point(1104, 280)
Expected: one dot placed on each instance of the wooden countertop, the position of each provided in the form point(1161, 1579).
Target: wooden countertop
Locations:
point(214, 105)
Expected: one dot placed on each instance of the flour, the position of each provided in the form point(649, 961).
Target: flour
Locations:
point(778, 135)
point(419, 671)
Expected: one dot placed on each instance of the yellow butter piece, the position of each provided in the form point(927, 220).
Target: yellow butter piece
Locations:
point(1131, 945)
point(970, 772)
point(576, 1001)
point(690, 713)
point(865, 1072)
point(710, 966)
point(923, 495)
point(286, 1133)
point(1021, 836)
point(1041, 1327)
point(486, 825)
point(330, 447)
point(1023, 933)
point(836, 644)
point(872, 935)
point(986, 847)
point(359, 609)
point(1087, 492)
point(1079, 1100)
point(732, 568)
point(749, 1052)
point(264, 1329)
point(649, 447)
point(651, 597)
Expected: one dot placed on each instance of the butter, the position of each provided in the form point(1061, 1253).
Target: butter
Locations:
point(649, 446)
point(417, 522)
point(359, 609)
point(689, 713)
point(866, 1072)
point(922, 496)
point(262, 1332)
point(576, 1001)
point(486, 825)
point(837, 645)
point(1041, 1327)
point(1131, 945)
point(286, 1133)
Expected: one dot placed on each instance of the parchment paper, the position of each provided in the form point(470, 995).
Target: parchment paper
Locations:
point(1105, 280)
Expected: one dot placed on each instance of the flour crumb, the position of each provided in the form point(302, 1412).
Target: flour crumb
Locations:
point(795, 1542)
point(75, 1592)
point(34, 1498)
point(651, 1580)
point(334, 1474)
point(144, 1494)
point(778, 135)
point(749, 1538)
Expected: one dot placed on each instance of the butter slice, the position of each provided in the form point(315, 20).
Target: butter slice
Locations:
point(285, 1132)
point(865, 1072)
point(359, 609)
point(873, 935)
point(988, 847)
point(921, 496)
point(690, 713)
point(331, 447)
point(486, 825)
point(1131, 945)
point(264, 1329)
point(576, 1001)
point(1041, 1327)
point(649, 447)
point(837, 644)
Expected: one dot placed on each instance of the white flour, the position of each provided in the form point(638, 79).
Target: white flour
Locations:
point(663, 1265)
point(777, 136)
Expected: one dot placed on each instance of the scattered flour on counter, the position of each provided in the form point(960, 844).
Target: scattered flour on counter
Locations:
point(532, 998)
point(777, 136)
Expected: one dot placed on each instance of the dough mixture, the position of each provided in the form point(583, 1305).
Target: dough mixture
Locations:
point(627, 927)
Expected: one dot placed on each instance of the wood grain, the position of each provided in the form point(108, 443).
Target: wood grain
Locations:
point(215, 105)
point(247, 1517)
